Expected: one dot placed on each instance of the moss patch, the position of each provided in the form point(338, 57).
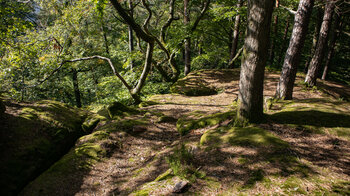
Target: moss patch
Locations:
point(315, 116)
point(118, 109)
point(184, 125)
point(242, 136)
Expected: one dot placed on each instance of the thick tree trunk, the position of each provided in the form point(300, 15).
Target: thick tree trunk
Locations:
point(314, 38)
point(254, 59)
point(187, 51)
point(292, 58)
point(275, 29)
point(131, 37)
point(332, 41)
point(316, 61)
point(235, 33)
point(76, 88)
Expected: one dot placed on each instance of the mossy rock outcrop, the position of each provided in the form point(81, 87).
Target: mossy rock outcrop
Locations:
point(88, 150)
point(33, 137)
point(193, 85)
point(119, 109)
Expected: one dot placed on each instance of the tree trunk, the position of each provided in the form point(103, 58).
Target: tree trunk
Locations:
point(131, 37)
point(235, 33)
point(285, 34)
point(76, 88)
point(314, 38)
point(296, 43)
point(254, 59)
point(316, 61)
point(275, 29)
point(187, 51)
point(332, 41)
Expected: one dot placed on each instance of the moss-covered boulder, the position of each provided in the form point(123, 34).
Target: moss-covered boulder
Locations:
point(33, 137)
point(119, 109)
point(193, 85)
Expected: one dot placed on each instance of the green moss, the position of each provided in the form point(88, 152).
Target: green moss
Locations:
point(91, 122)
point(341, 187)
point(293, 186)
point(167, 174)
point(184, 125)
point(148, 103)
point(315, 116)
point(137, 172)
point(247, 136)
point(142, 192)
point(118, 109)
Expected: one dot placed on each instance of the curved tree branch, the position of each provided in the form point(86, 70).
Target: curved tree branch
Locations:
point(198, 19)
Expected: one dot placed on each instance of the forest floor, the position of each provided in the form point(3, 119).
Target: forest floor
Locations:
point(301, 148)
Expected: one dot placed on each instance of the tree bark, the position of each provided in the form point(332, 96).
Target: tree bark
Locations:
point(275, 29)
point(187, 51)
point(131, 37)
point(316, 61)
point(76, 88)
point(292, 57)
point(332, 42)
point(235, 34)
point(314, 38)
point(254, 60)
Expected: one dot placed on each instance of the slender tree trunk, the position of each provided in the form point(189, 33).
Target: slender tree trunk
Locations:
point(275, 29)
point(76, 88)
point(254, 59)
point(285, 34)
point(235, 33)
point(332, 42)
point(292, 58)
point(316, 60)
point(187, 51)
point(103, 29)
point(314, 38)
point(131, 37)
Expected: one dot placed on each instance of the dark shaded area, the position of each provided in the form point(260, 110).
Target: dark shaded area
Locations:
point(311, 117)
point(31, 144)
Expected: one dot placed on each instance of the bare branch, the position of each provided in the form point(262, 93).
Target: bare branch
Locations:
point(145, 24)
point(196, 22)
point(82, 59)
point(236, 57)
point(289, 10)
point(168, 22)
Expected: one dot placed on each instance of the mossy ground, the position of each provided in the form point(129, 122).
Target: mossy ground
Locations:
point(302, 147)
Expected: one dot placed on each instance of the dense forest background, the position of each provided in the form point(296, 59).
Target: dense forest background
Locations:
point(39, 38)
